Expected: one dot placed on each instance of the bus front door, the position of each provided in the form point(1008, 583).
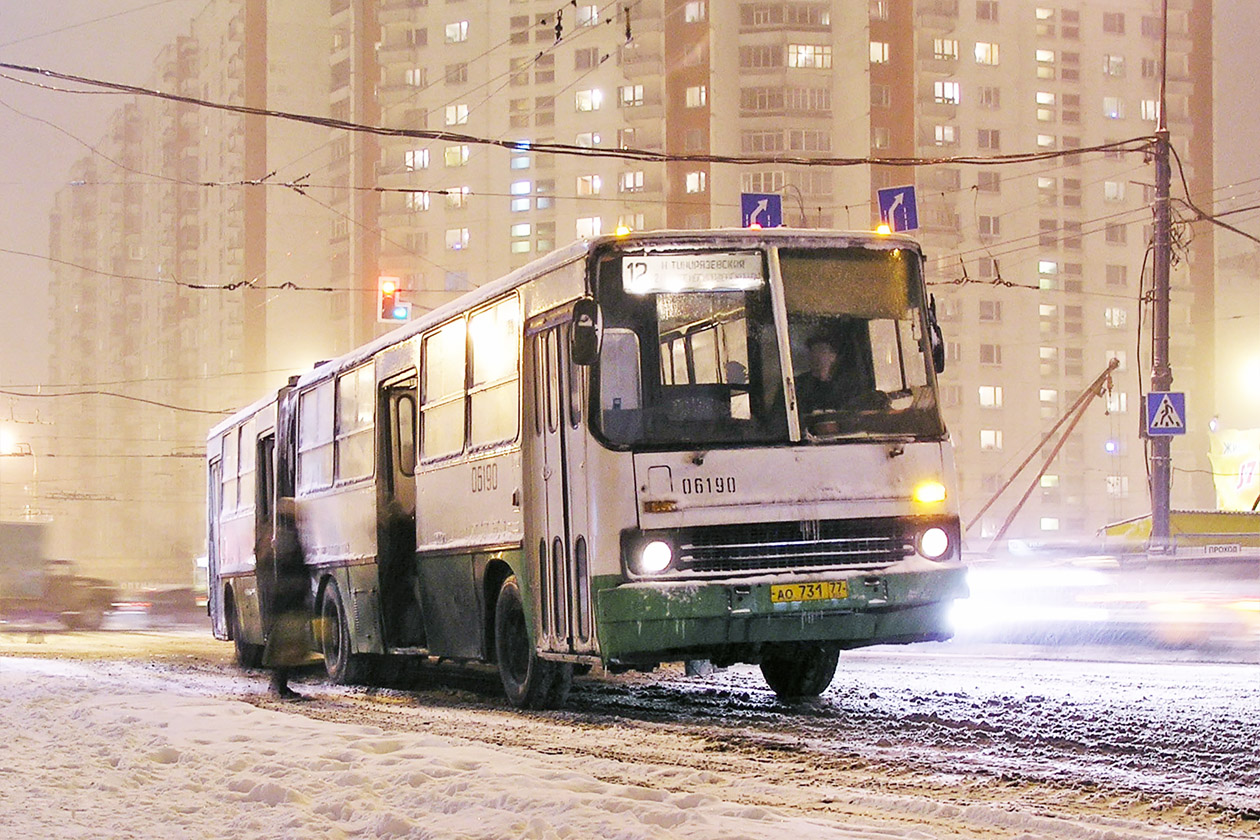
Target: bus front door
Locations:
point(559, 543)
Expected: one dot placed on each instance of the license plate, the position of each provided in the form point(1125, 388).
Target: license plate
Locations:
point(825, 590)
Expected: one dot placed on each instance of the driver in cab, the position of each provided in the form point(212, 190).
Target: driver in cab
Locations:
point(825, 386)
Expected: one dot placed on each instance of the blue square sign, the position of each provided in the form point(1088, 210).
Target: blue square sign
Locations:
point(1165, 413)
point(761, 209)
point(897, 208)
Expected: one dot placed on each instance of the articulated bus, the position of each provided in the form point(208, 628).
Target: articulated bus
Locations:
point(605, 458)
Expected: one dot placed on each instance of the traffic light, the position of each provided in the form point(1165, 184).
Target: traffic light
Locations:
point(389, 309)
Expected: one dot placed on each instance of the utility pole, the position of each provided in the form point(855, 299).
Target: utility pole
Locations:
point(1161, 370)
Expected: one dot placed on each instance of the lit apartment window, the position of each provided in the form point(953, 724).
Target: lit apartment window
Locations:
point(1115, 316)
point(589, 100)
point(945, 49)
point(417, 201)
point(456, 239)
point(456, 114)
point(946, 135)
point(1048, 395)
point(879, 9)
point(589, 139)
point(697, 96)
point(694, 11)
point(588, 228)
point(414, 159)
point(986, 53)
point(1113, 190)
point(630, 96)
point(1113, 107)
point(634, 221)
point(1117, 402)
point(881, 137)
point(696, 182)
point(521, 187)
point(990, 396)
point(1113, 65)
point(454, 156)
point(589, 184)
point(1113, 23)
point(457, 197)
point(1150, 110)
point(520, 205)
point(991, 440)
point(631, 181)
point(879, 52)
point(519, 162)
point(947, 93)
point(1118, 486)
point(1049, 523)
point(625, 138)
point(587, 15)
point(416, 76)
point(814, 56)
point(1045, 141)
point(457, 32)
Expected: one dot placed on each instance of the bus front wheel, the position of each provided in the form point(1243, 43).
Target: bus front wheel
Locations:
point(800, 672)
point(342, 665)
point(528, 681)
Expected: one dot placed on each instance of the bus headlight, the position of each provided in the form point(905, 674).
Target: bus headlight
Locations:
point(934, 543)
point(655, 557)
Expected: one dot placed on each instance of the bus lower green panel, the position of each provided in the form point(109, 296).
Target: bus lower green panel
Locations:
point(670, 619)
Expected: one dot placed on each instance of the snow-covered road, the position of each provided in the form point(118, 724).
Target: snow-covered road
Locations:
point(136, 735)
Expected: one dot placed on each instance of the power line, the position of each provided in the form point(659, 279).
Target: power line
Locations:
point(1135, 144)
point(95, 393)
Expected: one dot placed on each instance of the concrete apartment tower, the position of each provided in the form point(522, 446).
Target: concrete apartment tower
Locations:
point(1039, 268)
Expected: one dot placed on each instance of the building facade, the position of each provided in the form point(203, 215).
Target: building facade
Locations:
point(1039, 268)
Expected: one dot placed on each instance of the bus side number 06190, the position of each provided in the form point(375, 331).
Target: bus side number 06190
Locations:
point(712, 484)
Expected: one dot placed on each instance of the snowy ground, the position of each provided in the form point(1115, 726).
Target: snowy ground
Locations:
point(137, 735)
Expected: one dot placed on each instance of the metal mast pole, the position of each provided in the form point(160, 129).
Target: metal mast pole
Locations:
point(1161, 370)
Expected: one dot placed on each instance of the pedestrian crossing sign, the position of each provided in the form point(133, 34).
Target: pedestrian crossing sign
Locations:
point(1165, 413)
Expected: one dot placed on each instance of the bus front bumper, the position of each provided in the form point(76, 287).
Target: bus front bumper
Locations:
point(734, 620)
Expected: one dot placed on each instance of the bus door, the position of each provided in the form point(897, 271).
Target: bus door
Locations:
point(214, 594)
point(396, 511)
point(560, 544)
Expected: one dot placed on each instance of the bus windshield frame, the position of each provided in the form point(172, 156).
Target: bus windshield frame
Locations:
point(775, 344)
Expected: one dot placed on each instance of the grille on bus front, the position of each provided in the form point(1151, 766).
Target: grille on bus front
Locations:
point(792, 545)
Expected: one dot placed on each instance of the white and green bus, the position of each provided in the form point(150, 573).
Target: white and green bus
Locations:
point(608, 458)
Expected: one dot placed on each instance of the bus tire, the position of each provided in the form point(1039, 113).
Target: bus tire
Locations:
point(343, 666)
point(800, 672)
point(247, 655)
point(528, 681)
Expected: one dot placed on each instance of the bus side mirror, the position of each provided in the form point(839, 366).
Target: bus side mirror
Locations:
point(588, 330)
point(935, 337)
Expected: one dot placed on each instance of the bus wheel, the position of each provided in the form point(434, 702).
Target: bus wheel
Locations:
point(247, 655)
point(529, 682)
point(343, 666)
point(799, 672)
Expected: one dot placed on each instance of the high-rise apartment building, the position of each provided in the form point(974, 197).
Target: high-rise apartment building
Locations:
point(1039, 268)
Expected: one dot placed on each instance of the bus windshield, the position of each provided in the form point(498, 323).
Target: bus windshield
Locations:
point(691, 355)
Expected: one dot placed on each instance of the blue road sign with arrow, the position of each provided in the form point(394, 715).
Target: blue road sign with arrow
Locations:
point(1166, 413)
point(898, 209)
point(761, 209)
